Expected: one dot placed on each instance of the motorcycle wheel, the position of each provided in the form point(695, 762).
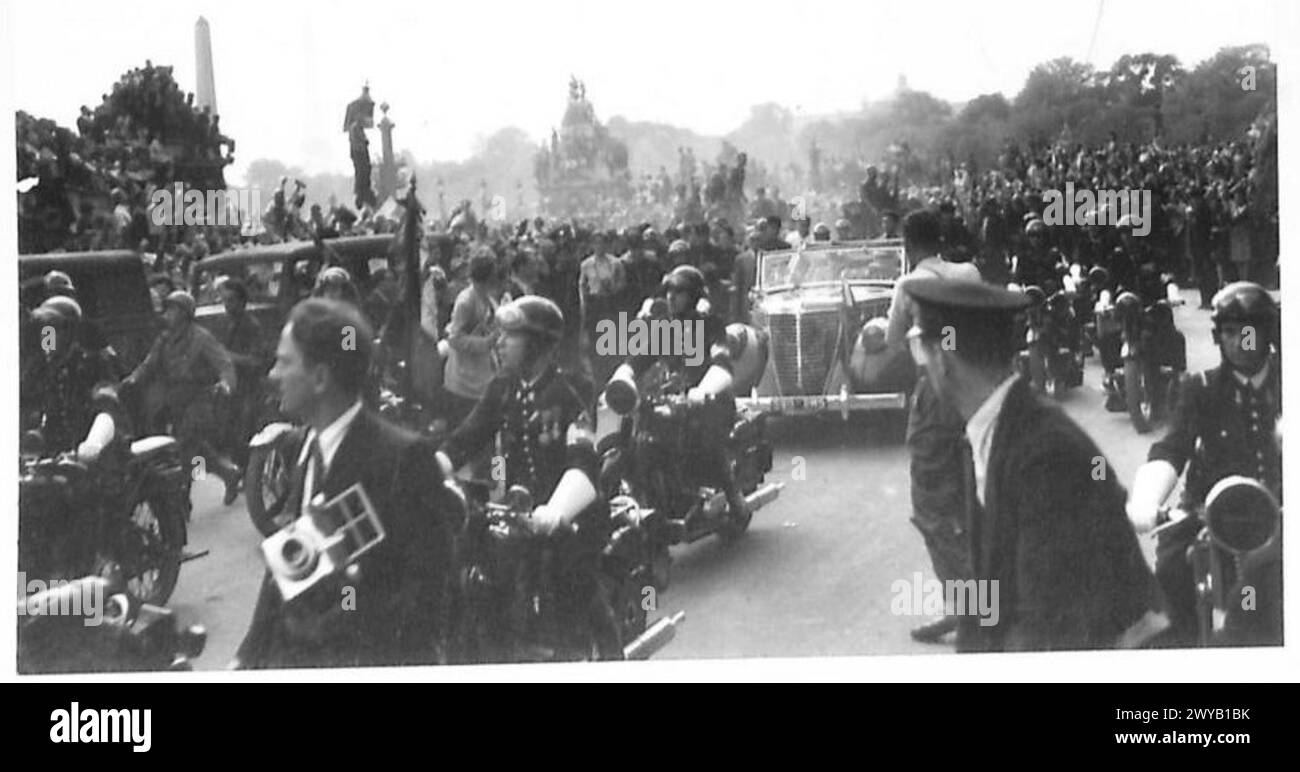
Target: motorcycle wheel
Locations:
point(1137, 396)
point(1039, 372)
point(150, 553)
point(266, 486)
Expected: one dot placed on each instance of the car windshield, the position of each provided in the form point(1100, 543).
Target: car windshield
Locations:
point(862, 263)
point(261, 279)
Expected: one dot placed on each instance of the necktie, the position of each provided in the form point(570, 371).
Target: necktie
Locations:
point(314, 476)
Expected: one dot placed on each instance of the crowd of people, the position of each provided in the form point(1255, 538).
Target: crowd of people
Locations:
point(94, 185)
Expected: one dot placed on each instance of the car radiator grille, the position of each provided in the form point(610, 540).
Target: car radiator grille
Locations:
point(803, 349)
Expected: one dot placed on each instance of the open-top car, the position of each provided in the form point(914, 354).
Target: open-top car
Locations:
point(822, 310)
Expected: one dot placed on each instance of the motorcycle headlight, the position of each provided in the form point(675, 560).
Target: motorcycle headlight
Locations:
point(1241, 514)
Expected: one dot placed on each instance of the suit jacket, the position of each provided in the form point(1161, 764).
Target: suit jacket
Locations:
point(397, 606)
point(1054, 535)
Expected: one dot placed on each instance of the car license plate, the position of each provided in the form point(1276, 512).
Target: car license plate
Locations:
point(808, 403)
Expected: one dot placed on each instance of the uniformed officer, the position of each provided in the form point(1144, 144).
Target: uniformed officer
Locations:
point(708, 385)
point(1224, 424)
point(544, 419)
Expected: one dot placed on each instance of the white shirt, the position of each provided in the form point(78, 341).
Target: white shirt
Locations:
point(980, 428)
point(330, 439)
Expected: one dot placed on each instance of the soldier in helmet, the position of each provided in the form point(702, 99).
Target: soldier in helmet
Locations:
point(183, 367)
point(1225, 423)
point(1037, 265)
point(821, 232)
point(708, 382)
point(61, 375)
point(543, 417)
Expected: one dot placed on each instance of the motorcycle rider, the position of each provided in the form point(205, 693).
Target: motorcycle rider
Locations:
point(708, 385)
point(1037, 265)
point(178, 374)
point(1134, 268)
point(544, 419)
point(68, 392)
point(58, 382)
point(1224, 424)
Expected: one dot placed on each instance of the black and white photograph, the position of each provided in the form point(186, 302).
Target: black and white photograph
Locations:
point(446, 337)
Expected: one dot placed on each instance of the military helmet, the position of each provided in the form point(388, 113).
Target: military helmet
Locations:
point(58, 280)
point(64, 306)
point(182, 300)
point(1245, 302)
point(685, 278)
point(1128, 302)
point(532, 313)
point(1098, 276)
point(822, 232)
point(1035, 226)
point(334, 275)
point(678, 247)
point(1035, 294)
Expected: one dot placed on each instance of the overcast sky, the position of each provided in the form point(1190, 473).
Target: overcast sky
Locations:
point(456, 72)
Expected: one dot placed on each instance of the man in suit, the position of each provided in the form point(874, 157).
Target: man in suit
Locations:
point(1047, 518)
point(389, 609)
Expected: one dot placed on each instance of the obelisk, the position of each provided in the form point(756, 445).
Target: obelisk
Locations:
point(206, 87)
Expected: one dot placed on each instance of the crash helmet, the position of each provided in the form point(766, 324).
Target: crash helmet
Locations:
point(1245, 302)
point(182, 300)
point(685, 278)
point(821, 232)
point(532, 313)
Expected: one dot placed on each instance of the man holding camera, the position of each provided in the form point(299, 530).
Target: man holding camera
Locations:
point(388, 607)
point(544, 418)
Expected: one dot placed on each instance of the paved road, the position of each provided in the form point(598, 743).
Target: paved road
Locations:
point(812, 577)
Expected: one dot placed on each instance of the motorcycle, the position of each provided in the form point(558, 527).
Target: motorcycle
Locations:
point(1236, 562)
point(75, 521)
point(1054, 354)
point(513, 605)
point(91, 624)
point(649, 461)
point(1153, 355)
